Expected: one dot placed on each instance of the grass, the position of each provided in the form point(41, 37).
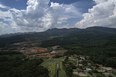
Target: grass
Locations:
point(51, 67)
point(99, 75)
point(54, 59)
point(61, 71)
point(114, 73)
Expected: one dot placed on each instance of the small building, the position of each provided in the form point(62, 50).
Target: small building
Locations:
point(80, 64)
point(70, 57)
point(53, 52)
point(88, 69)
point(82, 58)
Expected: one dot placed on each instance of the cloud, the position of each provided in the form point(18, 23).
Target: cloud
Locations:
point(2, 6)
point(100, 1)
point(102, 14)
point(39, 14)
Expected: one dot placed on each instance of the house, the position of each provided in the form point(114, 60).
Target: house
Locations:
point(70, 57)
point(53, 52)
point(80, 64)
point(82, 58)
point(88, 69)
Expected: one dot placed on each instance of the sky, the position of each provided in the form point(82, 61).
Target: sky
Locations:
point(40, 15)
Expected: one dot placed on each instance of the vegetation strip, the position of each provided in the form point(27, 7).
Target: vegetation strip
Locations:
point(62, 69)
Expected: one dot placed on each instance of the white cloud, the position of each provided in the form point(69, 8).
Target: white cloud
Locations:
point(2, 6)
point(102, 14)
point(39, 14)
point(100, 1)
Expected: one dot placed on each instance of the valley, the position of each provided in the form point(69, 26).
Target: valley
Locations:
point(87, 52)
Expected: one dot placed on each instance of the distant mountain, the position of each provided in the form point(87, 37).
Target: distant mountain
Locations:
point(91, 32)
point(102, 29)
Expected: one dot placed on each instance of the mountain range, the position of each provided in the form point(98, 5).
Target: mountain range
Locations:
point(88, 34)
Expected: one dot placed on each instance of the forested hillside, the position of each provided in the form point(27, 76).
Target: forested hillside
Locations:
point(84, 34)
point(99, 44)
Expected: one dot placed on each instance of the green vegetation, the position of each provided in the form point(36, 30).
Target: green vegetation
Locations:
point(74, 75)
point(73, 62)
point(114, 73)
point(15, 65)
point(61, 71)
point(68, 67)
point(99, 45)
point(51, 67)
point(100, 75)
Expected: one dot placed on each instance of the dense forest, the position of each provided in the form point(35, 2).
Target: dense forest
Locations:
point(14, 64)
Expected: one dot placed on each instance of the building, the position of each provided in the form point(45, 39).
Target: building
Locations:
point(82, 58)
point(88, 69)
point(80, 64)
point(53, 52)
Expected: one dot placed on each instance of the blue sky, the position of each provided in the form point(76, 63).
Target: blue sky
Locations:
point(40, 15)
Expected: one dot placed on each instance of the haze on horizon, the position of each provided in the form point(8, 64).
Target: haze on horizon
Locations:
point(40, 15)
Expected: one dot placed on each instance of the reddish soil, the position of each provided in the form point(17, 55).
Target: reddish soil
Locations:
point(42, 50)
